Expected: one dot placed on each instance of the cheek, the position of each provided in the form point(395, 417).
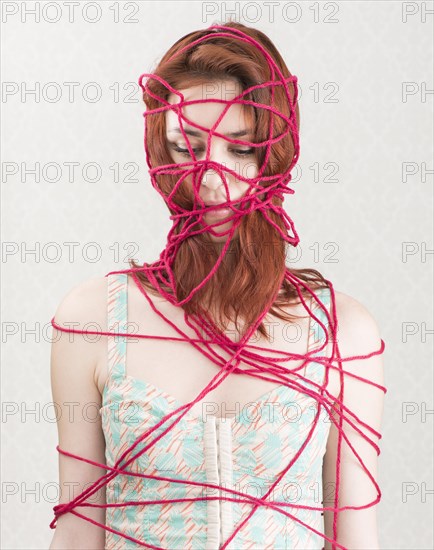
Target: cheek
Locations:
point(250, 170)
point(242, 188)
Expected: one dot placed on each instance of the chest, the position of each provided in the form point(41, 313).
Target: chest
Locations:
point(179, 371)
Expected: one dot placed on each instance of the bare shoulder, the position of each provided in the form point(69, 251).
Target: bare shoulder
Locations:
point(84, 303)
point(358, 336)
point(358, 329)
point(83, 307)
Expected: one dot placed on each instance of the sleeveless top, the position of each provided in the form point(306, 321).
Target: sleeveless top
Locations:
point(244, 453)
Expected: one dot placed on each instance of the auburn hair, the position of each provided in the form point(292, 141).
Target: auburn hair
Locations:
point(252, 271)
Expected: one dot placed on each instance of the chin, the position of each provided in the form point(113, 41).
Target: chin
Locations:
point(223, 238)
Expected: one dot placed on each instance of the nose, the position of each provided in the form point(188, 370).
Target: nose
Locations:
point(212, 179)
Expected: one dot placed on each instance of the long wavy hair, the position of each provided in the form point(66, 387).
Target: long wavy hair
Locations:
point(252, 270)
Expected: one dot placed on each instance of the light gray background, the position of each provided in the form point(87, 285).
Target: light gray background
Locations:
point(352, 230)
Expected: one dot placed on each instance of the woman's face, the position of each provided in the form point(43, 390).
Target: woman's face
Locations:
point(237, 157)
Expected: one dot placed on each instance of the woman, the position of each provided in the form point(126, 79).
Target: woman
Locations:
point(293, 468)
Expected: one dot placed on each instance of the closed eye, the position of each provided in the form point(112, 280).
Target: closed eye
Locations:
point(186, 153)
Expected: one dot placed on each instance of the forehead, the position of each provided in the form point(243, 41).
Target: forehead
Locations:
point(207, 113)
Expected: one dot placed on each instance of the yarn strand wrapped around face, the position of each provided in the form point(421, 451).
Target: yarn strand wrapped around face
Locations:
point(277, 184)
point(189, 222)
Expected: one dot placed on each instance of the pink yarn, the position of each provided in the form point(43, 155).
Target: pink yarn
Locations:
point(184, 220)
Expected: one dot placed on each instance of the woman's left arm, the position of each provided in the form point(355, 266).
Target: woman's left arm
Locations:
point(357, 334)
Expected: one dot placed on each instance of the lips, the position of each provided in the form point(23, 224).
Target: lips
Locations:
point(220, 213)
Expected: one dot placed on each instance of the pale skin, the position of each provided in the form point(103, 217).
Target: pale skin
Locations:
point(79, 373)
point(237, 157)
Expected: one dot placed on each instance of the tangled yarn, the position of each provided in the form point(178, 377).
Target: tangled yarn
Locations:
point(188, 222)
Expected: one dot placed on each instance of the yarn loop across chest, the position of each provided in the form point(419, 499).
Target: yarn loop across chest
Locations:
point(175, 480)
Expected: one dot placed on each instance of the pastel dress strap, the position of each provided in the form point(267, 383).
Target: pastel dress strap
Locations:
point(117, 317)
point(317, 335)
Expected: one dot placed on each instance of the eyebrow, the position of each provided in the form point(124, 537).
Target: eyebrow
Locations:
point(196, 133)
